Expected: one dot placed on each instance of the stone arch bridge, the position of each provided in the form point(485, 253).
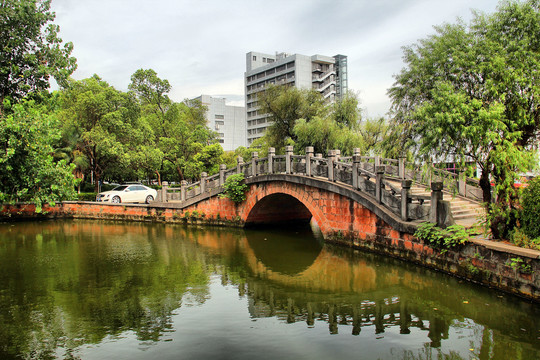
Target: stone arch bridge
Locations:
point(349, 198)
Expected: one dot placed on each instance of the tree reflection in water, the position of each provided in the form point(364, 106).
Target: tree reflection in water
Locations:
point(70, 283)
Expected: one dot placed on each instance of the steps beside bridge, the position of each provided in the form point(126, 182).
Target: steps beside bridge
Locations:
point(465, 212)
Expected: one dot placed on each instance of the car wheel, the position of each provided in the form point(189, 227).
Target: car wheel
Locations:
point(116, 200)
point(149, 199)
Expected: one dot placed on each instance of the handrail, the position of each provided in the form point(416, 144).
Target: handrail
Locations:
point(366, 174)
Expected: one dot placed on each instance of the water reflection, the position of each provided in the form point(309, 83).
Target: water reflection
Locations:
point(65, 285)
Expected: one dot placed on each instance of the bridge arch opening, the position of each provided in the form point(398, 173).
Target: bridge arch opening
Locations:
point(278, 208)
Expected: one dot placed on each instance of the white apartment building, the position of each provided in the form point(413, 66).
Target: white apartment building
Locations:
point(228, 121)
point(326, 74)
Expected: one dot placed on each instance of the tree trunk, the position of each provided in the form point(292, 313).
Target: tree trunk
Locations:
point(485, 185)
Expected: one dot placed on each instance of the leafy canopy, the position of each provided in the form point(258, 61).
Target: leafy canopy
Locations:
point(31, 50)
point(28, 170)
point(471, 93)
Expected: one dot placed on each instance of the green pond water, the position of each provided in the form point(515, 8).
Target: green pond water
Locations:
point(104, 290)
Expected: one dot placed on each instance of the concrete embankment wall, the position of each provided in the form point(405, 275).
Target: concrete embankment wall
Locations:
point(498, 265)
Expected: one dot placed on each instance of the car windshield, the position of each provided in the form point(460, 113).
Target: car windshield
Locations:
point(120, 188)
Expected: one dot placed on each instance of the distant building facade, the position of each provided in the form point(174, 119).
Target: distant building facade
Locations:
point(228, 121)
point(326, 74)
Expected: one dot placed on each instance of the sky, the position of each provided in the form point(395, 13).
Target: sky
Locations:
point(200, 46)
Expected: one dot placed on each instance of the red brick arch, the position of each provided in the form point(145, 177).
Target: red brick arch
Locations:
point(333, 212)
point(338, 216)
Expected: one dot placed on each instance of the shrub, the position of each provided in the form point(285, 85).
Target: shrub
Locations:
point(88, 196)
point(235, 188)
point(519, 238)
point(530, 212)
point(443, 239)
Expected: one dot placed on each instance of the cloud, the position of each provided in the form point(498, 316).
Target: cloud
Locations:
point(200, 46)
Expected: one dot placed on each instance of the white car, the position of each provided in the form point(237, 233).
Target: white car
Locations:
point(133, 193)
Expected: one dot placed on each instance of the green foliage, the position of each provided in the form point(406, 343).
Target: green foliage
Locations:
point(473, 92)
point(90, 196)
point(346, 112)
point(100, 122)
point(520, 265)
point(325, 134)
point(530, 212)
point(177, 142)
point(443, 239)
point(31, 50)
point(235, 188)
point(519, 238)
point(28, 171)
point(286, 105)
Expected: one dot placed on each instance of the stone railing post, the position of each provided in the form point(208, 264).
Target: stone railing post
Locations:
point(436, 197)
point(379, 177)
point(183, 188)
point(462, 183)
point(377, 161)
point(271, 154)
point(254, 157)
point(222, 169)
point(164, 186)
point(288, 162)
point(401, 167)
point(309, 155)
point(405, 189)
point(355, 166)
point(203, 182)
point(331, 159)
point(338, 154)
point(239, 164)
point(356, 151)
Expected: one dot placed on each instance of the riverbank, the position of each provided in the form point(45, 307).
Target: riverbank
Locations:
point(498, 265)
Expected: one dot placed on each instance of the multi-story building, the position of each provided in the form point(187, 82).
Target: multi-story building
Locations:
point(326, 74)
point(228, 121)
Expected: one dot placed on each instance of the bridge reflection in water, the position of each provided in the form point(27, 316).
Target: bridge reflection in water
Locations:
point(291, 276)
point(347, 287)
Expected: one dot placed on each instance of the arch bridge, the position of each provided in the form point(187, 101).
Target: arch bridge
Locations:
point(348, 197)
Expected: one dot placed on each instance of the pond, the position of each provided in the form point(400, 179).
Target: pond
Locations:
point(78, 289)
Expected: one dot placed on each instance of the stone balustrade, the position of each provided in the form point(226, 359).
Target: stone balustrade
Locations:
point(386, 181)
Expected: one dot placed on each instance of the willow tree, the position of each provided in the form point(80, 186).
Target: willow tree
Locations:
point(285, 105)
point(472, 92)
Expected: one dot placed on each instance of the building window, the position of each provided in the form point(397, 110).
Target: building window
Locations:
point(220, 117)
point(221, 135)
point(221, 141)
point(218, 122)
point(264, 59)
point(270, 60)
point(254, 58)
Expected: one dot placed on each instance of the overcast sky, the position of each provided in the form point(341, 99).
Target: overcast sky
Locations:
point(200, 46)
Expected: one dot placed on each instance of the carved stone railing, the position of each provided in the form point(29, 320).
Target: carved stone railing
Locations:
point(375, 176)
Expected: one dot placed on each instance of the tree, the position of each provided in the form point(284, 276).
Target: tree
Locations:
point(31, 50)
point(28, 170)
point(346, 112)
point(181, 140)
point(473, 93)
point(326, 134)
point(103, 122)
point(285, 105)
